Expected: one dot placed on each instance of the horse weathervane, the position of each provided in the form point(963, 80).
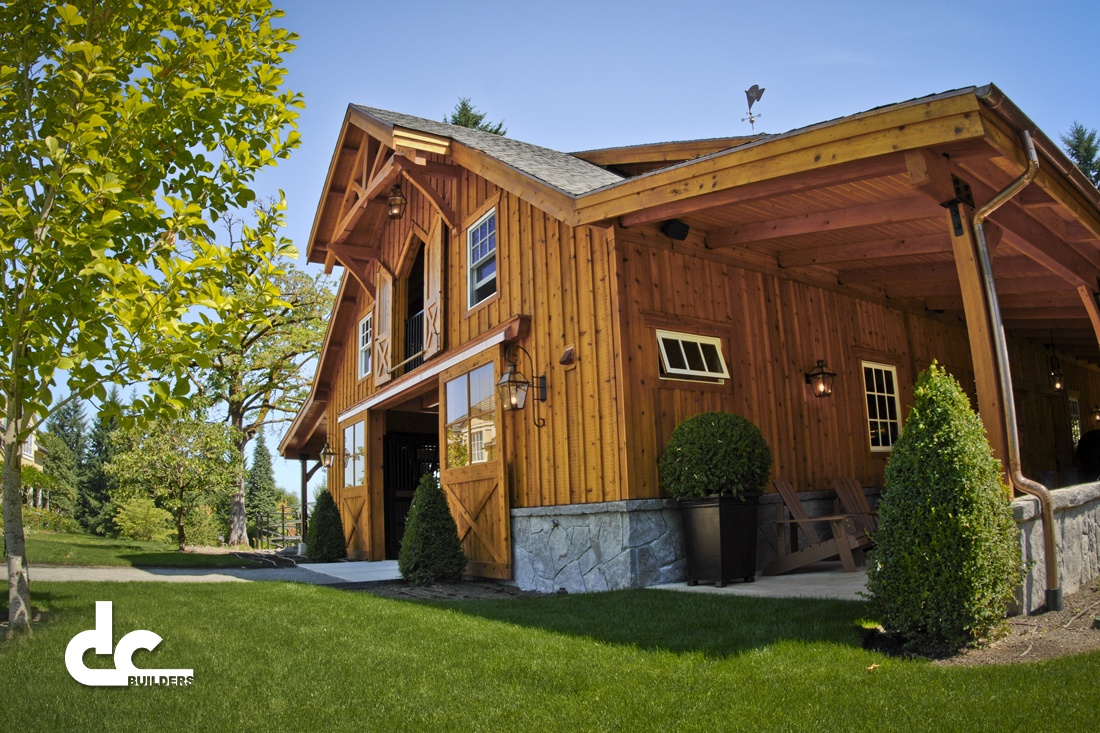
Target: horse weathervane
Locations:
point(753, 94)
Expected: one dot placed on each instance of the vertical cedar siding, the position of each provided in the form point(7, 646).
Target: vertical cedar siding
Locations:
point(557, 275)
point(774, 329)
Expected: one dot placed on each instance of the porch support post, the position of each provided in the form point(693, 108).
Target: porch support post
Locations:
point(982, 346)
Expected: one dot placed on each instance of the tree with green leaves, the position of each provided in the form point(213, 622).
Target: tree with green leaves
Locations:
point(258, 357)
point(1083, 148)
point(182, 465)
point(94, 510)
point(466, 115)
point(126, 130)
point(260, 491)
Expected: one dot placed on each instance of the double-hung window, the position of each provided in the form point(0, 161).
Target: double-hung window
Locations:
point(880, 383)
point(354, 455)
point(366, 337)
point(481, 240)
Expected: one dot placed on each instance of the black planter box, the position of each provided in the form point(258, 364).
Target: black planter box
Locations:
point(720, 538)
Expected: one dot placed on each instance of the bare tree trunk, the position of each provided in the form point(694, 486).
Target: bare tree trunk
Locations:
point(19, 580)
point(181, 533)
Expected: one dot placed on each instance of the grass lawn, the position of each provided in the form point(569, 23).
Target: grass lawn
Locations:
point(290, 657)
point(50, 548)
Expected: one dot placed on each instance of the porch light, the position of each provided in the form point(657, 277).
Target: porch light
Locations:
point(397, 202)
point(514, 386)
point(1057, 376)
point(1096, 414)
point(821, 379)
point(327, 456)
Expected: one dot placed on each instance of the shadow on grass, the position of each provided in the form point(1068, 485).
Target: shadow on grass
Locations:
point(655, 620)
point(177, 559)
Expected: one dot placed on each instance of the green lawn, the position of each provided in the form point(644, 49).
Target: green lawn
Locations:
point(290, 657)
point(49, 548)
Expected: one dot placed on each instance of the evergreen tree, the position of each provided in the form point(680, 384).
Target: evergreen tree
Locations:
point(431, 549)
point(261, 495)
point(466, 115)
point(59, 467)
point(1083, 148)
point(325, 542)
point(94, 509)
point(69, 424)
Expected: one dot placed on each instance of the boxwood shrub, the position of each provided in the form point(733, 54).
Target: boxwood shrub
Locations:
point(325, 540)
point(946, 562)
point(715, 452)
point(430, 549)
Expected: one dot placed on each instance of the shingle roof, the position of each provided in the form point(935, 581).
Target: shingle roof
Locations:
point(560, 170)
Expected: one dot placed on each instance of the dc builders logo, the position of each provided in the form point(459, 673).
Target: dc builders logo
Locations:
point(125, 673)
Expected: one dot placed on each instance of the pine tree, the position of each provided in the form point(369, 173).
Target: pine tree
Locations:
point(431, 549)
point(94, 509)
point(259, 488)
point(1083, 148)
point(466, 115)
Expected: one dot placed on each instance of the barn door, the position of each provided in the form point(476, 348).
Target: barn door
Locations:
point(472, 471)
point(433, 290)
point(383, 327)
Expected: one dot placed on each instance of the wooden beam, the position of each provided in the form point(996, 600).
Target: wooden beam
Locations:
point(887, 212)
point(353, 261)
point(1088, 297)
point(869, 251)
point(380, 182)
point(540, 195)
point(1009, 300)
point(860, 170)
point(422, 184)
point(978, 328)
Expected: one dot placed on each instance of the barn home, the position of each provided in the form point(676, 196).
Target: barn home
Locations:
point(633, 287)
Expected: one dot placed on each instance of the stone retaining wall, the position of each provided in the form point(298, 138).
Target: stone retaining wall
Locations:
point(1077, 538)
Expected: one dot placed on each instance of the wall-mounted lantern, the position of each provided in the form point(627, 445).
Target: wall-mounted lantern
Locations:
point(327, 456)
point(820, 379)
point(1096, 414)
point(514, 386)
point(397, 202)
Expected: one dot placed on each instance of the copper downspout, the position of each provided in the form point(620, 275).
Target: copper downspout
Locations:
point(1022, 483)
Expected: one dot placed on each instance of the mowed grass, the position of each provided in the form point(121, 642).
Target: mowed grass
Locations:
point(292, 657)
point(50, 548)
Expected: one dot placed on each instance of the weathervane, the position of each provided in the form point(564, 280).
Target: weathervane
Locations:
point(753, 94)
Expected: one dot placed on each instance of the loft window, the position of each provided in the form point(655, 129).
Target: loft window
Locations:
point(354, 455)
point(471, 415)
point(883, 415)
point(687, 356)
point(481, 239)
point(366, 336)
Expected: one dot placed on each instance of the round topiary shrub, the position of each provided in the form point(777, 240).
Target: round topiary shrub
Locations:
point(325, 540)
point(430, 550)
point(946, 562)
point(715, 453)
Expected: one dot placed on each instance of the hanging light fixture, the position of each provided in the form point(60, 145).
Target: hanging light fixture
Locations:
point(397, 202)
point(327, 456)
point(513, 386)
point(1057, 376)
point(821, 379)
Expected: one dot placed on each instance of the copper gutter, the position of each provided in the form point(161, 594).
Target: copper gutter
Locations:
point(1022, 483)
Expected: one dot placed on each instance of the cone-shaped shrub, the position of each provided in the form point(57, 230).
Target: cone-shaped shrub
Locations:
point(946, 562)
point(325, 542)
point(430, 550)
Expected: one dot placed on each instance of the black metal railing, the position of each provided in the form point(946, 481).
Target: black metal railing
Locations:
point(279, 528)
point(414, 343)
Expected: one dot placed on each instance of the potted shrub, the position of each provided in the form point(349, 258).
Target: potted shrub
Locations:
point(716, 465)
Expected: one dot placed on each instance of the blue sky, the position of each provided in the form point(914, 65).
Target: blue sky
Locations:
point(580, 75)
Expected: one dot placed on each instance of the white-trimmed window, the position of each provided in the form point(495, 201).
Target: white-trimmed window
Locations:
point(481, 240)
point(354, 455)
point(471, 415)
point(28, 449)
point(688, 356)
point(1075, 419)
point(477, 446)
point(880, 382)
point(366, 338)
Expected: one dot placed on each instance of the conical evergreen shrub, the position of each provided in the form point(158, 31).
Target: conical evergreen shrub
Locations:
point(430, 550)
point(325, 541)
point(946, 562)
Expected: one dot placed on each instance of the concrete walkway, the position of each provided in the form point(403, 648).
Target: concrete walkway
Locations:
point(338, 573)
point(821, 580)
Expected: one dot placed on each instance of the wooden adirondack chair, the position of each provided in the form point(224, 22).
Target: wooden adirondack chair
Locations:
point(847, 542)
point(851, 496)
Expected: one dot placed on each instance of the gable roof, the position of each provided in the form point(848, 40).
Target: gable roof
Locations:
point(567, 173)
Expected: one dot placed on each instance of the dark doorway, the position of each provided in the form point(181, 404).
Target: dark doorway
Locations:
point(407, 457)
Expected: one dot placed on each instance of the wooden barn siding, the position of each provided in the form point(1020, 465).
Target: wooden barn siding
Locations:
point(774, 330)
point(560, 277)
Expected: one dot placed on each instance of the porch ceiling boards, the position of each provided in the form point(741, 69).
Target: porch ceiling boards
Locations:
point(877, 227)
